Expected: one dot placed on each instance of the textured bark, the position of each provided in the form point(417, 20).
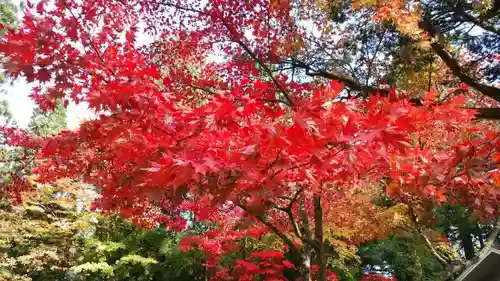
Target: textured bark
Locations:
point(318, 237)
point(305, 269)
point(482, 113)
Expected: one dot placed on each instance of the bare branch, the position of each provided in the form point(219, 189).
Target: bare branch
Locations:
point(288, 211)
point(266, 70)
point(454, 66)
point(370, 63)
point(459, 9)
point(290, 214)
point(183, 8)
point(318, 237)
point(206, 90)
point(348, 82)
point(306, 226)
point(492, 113)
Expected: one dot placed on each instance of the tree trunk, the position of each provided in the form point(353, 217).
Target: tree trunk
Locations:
point(318, 237)
point(466, 241)
point(305, 269)
point(305, 266)
point(481, 240)
point(245, 251)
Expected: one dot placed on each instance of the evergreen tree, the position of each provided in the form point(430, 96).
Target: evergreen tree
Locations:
point(47, 123)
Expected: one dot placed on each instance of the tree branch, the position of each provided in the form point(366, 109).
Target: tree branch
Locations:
point(432, 249)
point(348, 82)
point(454, 66)
point(428, 243)
point(91, 42)
point(293, 248)
point(370, 62)
point(290, 168)
point(206, 90)
point(182, 8)
point(266, 69)
point(492, 113)
point(293, 222)
point(306, 224)
point(290, 214)
point(247, 49)
point(483, 113)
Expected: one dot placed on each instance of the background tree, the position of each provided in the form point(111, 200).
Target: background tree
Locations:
point(116, 250)
point(40, 237)
point(37, 237)
point(8, 18)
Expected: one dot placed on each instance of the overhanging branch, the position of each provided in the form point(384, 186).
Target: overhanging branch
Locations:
point(492, 113)
point(460, 11)
point(348, 82)
point(454, 66)
point(266, 69)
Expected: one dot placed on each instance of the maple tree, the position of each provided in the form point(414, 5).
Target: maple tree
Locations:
point(49, 233)
point(249, 142)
